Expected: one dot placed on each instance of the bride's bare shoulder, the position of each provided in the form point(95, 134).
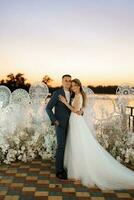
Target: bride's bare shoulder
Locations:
point(79, 95)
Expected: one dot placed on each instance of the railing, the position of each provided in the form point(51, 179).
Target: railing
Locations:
point(131, 118)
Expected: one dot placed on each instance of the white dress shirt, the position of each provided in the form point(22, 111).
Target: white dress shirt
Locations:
point(67, 95)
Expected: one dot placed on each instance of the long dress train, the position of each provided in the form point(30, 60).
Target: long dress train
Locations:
point(86, 160)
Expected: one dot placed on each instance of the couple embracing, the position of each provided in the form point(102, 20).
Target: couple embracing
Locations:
point(79, 156)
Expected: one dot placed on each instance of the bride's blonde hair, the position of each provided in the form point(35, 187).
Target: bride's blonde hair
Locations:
point(78, 82)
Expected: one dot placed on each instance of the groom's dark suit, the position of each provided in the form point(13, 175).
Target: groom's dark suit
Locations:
point(62, 114)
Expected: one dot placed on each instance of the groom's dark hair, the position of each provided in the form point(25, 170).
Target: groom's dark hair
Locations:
point(66, 75)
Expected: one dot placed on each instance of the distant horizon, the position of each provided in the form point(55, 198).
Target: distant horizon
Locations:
point(55, 83)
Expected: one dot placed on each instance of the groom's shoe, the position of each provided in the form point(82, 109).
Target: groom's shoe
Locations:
point(64, 172)
point(62, 176)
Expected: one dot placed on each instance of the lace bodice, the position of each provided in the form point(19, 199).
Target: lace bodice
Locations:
point(77, 102)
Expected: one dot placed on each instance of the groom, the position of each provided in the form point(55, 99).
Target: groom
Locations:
point(60, 118)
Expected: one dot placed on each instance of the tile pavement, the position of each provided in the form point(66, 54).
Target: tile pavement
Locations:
point(36, 181)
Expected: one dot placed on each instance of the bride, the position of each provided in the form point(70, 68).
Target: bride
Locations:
point(85, 159)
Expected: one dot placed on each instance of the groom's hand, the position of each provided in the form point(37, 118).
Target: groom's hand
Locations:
point(56, 123)
point(80, 112)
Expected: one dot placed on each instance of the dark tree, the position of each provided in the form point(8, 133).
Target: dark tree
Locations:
point(47, 80)
point(15, 81)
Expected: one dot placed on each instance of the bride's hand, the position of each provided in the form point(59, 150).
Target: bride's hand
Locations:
point(62, 99)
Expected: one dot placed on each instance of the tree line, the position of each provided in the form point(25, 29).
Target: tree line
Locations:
point(15, 81)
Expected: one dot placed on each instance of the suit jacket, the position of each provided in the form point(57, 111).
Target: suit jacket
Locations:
point(61, 112)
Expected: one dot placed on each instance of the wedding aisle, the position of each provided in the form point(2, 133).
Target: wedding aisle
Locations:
point(36, 181)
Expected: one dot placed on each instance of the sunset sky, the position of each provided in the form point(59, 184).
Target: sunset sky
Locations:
point(90, 39)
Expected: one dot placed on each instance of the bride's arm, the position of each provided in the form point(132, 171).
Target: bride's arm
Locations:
point(73, 108)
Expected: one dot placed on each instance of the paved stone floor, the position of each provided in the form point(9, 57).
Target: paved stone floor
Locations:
point(36, 180)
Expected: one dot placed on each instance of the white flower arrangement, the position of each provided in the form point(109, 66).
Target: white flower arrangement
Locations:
point(27, 144)
point(25, 135)
point(116, 138)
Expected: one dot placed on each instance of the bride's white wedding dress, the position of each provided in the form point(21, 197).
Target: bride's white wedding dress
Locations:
point(86, 160)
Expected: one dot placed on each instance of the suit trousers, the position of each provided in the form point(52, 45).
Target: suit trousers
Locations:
point(61, 134)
